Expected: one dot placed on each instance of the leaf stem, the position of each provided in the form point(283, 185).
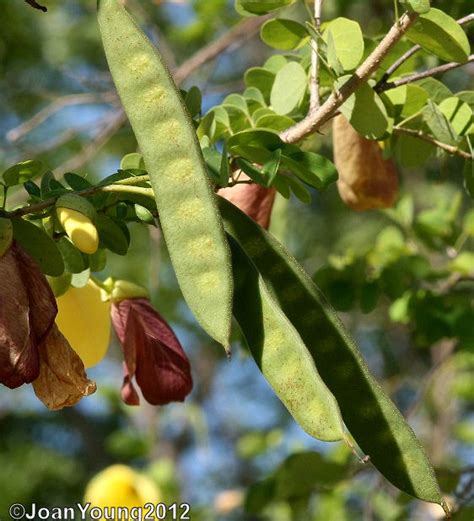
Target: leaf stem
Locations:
point(122, 186)
point(450, 149)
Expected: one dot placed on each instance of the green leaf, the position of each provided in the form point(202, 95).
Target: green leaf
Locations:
point(468, 223)
point(412, 152)
point(348, 42)
point(365, 111)
point(439, 34)
point(254, 173)
point(213, 162)
point(301, 473)
point(289, 88)
point(275, 122)
point(436, 90)
point(300, 191)
point(224, 169)
point(260, 78)
point(283, 34)
point(252, 7)
point(77, 182)
point(22, 172)
point(238, 101)
point(275, 63)
point(72, 257)
point(254, 94)
point(98, 260)
point(438, 124)
point(270, 167)
point(111, 234)
point(39, 245)
point(417, 6)
point(144, 214)
point(313, 169)
point(6, 235)
point(193, 101)
point(132, 161)
point(463, 264)
point(458, 113)
point(254, 138)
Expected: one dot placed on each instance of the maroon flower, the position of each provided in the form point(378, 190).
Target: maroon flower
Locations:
point(27, 313)
point(153, 354)
point(253, 199)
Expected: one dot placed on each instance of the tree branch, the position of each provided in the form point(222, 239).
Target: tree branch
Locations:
point(450, 149)
point(36, 5)
point(396, 65)
point(55, 106)
point(315, 101)
point(239, 34)
point(315, 119)
point(424, 74)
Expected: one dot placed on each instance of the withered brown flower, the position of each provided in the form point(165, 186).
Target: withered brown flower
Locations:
point(253, 199)
point(366, 179)
point(153, 354)
point(62, 381)
point(27, 313)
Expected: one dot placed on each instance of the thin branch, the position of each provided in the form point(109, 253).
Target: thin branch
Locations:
point(450, 149)
point(315, 101)
point(123, 185)
point(36, 5)
point(239, 34)
point(424, 74)
point(396, 65)
point(55, 106)
point(88, 151)
point(313, 121)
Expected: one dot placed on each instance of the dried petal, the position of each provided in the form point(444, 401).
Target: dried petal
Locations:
point(253, 199)
point(62, 381)
point(153, 354)
point(19, 360)
point(366, 179)
point(43, 308)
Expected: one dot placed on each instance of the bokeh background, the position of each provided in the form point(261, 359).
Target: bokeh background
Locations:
point(231, 450)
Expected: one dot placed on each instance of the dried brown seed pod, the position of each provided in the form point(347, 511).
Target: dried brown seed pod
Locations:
point(366, 179)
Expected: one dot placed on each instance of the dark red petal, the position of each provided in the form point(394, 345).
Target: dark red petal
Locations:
point(43, 307)
point(129, 393)
point(19, 358)
point(253, 199)
point(163, 371)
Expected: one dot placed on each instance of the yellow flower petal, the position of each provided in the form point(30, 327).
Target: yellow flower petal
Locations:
point(84, 319)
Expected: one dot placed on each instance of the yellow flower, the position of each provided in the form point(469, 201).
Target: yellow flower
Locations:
point(121, 486)
point(84, 319)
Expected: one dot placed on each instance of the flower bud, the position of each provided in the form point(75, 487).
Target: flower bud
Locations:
point(76, 216)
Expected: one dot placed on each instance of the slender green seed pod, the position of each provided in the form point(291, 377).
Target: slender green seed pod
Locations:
point(369, 414)
point(191, 224)
point(281, 355)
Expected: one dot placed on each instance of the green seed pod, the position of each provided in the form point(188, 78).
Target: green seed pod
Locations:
point(280, 353)
point(369, 414)
point(189, 218)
